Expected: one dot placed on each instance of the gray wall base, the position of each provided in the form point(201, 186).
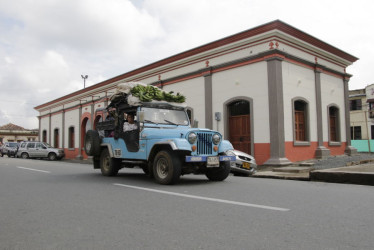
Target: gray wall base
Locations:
point(277, 162)
point(350, 150)
point(322, 152)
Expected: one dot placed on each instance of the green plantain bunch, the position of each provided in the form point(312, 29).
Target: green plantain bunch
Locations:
point(149, 93)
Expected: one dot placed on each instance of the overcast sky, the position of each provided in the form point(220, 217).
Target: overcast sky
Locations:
point(46, 45)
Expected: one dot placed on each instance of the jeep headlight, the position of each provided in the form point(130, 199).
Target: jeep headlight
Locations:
point(192, 137)
point(216, 138)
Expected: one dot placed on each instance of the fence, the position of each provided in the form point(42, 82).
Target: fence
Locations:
point(363, 145)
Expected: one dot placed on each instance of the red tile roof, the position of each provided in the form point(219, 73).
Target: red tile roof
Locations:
point(11, 126)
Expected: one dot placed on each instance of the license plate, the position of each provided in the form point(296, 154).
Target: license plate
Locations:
point(246, 165)
point(214, 160)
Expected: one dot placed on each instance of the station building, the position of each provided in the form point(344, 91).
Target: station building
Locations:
point(274, 91)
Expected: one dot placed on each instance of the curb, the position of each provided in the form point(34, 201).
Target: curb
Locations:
point(343, 177)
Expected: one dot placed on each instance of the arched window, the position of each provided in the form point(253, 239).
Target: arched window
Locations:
point(71, 137)
point(56, 138)
point(44, 136)
point(334, 125)
point(301, 126)
point(98, 118)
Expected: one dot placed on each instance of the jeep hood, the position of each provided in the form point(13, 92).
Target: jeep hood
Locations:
point(170, 132)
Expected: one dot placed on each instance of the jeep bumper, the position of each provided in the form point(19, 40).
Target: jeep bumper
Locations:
point(210, 159)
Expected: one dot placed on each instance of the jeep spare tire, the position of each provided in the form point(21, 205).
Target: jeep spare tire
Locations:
point(92, 143)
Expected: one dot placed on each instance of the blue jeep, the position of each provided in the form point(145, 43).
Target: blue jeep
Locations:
point(164, 145)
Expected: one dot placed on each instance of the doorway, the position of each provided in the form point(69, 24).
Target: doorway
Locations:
point(239, 125)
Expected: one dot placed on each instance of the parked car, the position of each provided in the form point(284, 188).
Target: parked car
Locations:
point(12, 152)
point(244, 165)
point(9, 148)
point(39, 150)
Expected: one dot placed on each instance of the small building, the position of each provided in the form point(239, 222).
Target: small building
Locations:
point(13, 133)
point(361, 103)
point(274, 91)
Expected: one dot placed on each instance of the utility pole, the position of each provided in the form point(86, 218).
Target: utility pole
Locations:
point(84, 80)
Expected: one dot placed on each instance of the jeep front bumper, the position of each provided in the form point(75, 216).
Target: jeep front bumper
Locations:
point(211, 160)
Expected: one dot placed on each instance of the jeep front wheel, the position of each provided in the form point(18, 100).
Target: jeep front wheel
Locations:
point(220, 173)
point(167, 168)
point(109, 166)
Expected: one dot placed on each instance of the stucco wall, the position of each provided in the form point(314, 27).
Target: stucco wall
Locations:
point(249, 81)
point(332, 89)
point(298, 82)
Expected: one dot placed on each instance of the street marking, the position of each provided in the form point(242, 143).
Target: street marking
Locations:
point(48, 172)
point(205, 198)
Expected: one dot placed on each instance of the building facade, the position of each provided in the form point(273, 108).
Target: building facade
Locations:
point(361, 103)
point(273, 91)
point(14, 133)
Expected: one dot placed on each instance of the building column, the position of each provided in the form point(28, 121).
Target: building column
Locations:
point(63, 129)
point(50, 127)
point(321, 150)
point(276, 113)
point(92, 115)
point(79, 156)
point(208, 100)
point(40, 128)
point(349, 150)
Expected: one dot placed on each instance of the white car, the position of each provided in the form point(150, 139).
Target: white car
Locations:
point(245, 164)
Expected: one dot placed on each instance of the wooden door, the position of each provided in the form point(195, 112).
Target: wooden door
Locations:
point(240, 132)
point(299, 126)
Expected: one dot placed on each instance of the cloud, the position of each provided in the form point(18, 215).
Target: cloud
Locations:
point(45, 46)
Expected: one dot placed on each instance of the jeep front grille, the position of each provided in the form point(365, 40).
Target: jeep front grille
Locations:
point(204, 143)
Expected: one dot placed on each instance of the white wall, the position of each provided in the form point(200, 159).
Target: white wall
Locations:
point(298, 82)
point(56, 123)
point(194, 91)
point(332, 89)
point(72, 119)
point(249, 81)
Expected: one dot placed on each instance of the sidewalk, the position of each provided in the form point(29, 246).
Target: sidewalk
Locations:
point(357, 172)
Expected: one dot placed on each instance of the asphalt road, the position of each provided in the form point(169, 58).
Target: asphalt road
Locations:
point(60, 205)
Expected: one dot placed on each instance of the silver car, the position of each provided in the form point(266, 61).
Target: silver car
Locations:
point(9, 148)
point(39, 150)
point(244, 165)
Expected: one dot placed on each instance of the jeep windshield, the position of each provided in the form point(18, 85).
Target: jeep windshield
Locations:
point(165, 116)
point(13, 144)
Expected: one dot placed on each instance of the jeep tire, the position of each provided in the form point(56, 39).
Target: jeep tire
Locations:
point(220, 173)
point(92, 143)
point(109, 166)
point(167, 167)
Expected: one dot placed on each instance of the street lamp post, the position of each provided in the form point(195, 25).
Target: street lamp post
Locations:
point(84, 80)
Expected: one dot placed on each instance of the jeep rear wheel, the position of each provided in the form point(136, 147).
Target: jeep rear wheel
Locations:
point(92, 143)
point(109, 166)
point(167, 168)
